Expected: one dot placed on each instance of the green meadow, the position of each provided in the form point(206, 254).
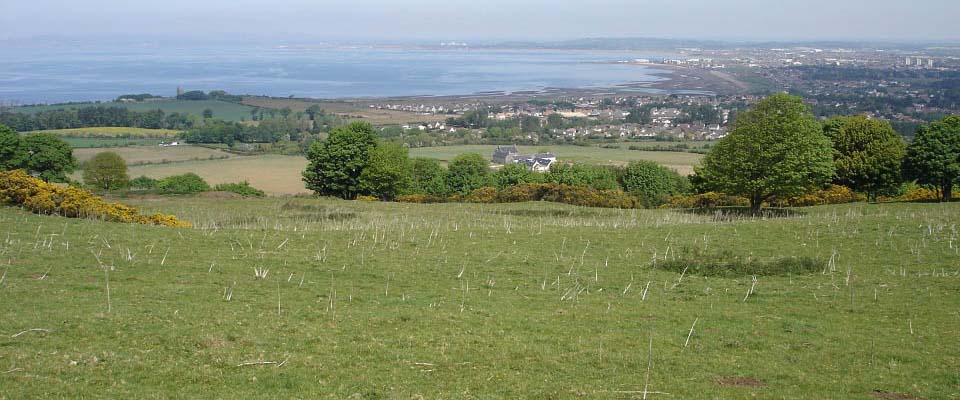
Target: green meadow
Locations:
point(317, 298)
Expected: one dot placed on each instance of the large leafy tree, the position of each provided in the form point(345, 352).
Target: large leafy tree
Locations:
point(335, 164)
point(106, 170)
point(867, 154)
point(515, 174)
point(777, 148)
point(428, 177)
point(11, 151)
point(652, 182)
point(933, 158)
point(47, 157)
point(387, 173)
point(468, 172)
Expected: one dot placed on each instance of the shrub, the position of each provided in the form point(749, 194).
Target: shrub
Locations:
point(919, 194)
point(183, 184)
point(420, 199)
point(366, 198)
point(706, 200)
point(143, 183)
point(19, 189)
point(834, 194)
point(553, 192)
point(653, 183)
point(241, 188)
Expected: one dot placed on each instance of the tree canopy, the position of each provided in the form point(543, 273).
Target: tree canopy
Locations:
point(467, 172)
point(47, 157)
point(387, 173)
point(867, 154)
point(335, 164)
point(106, 170)
point(933, 158)
point(776, 148)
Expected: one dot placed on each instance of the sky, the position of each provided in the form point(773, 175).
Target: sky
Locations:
point(483, 20)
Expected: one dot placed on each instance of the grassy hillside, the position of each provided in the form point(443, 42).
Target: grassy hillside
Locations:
point(221, 109)
point(399, 301)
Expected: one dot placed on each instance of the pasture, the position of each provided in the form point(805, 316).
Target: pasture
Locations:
point(355, 109)
point(274, 174)
point(681, 162)
point(316, 298)
point(140, 155)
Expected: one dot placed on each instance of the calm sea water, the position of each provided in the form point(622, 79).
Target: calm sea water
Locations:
point(66, 73)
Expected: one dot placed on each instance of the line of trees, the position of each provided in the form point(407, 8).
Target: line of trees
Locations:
point(353, 162)
point(97, 116)
point(778, 149)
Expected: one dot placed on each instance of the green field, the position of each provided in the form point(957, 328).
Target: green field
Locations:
point(137, 155)
point(111, 132)
point(80, 143)
point(221, 109)
point(531, 300)
point(274, 174)
point(682, 162)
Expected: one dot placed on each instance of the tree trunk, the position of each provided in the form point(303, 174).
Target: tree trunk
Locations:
point(948, 191)
point(755, 203)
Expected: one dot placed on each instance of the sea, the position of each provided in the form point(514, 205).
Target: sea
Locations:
point(72, 73)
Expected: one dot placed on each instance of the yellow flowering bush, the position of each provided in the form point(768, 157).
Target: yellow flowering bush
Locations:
point(835, 194)
point(19, 189)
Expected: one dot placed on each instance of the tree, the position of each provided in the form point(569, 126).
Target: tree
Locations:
point(335, 164)
point(777, 148)
point(428, 177)
point(387, 173)
point(933, 158)
point(515, 174)
point(867, 154)
point(106, 170)
point(467, 172)
point(652, 182)
point(207, 113)
point(183, 184)
point(47, 157)
point(11, 149)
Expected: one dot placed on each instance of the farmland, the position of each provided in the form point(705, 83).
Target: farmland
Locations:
point(682, 162)
point(346, 108)
point(530, 300)
point(137, 155)
point(274, 174)
point(221, 109)
point(278, 174)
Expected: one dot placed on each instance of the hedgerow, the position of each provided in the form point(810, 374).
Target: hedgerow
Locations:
point(19, 189)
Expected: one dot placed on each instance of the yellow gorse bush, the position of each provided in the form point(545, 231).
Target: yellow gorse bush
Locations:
point(19, 189)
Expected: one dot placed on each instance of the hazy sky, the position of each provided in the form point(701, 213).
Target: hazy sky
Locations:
point(485, 19)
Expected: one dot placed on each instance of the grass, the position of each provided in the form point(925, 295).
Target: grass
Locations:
point(274, 174)
point(221, 109)
point(359, 109)
point(82, 142)
point(398, 301)
point(139, 155)
point(682, 162)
